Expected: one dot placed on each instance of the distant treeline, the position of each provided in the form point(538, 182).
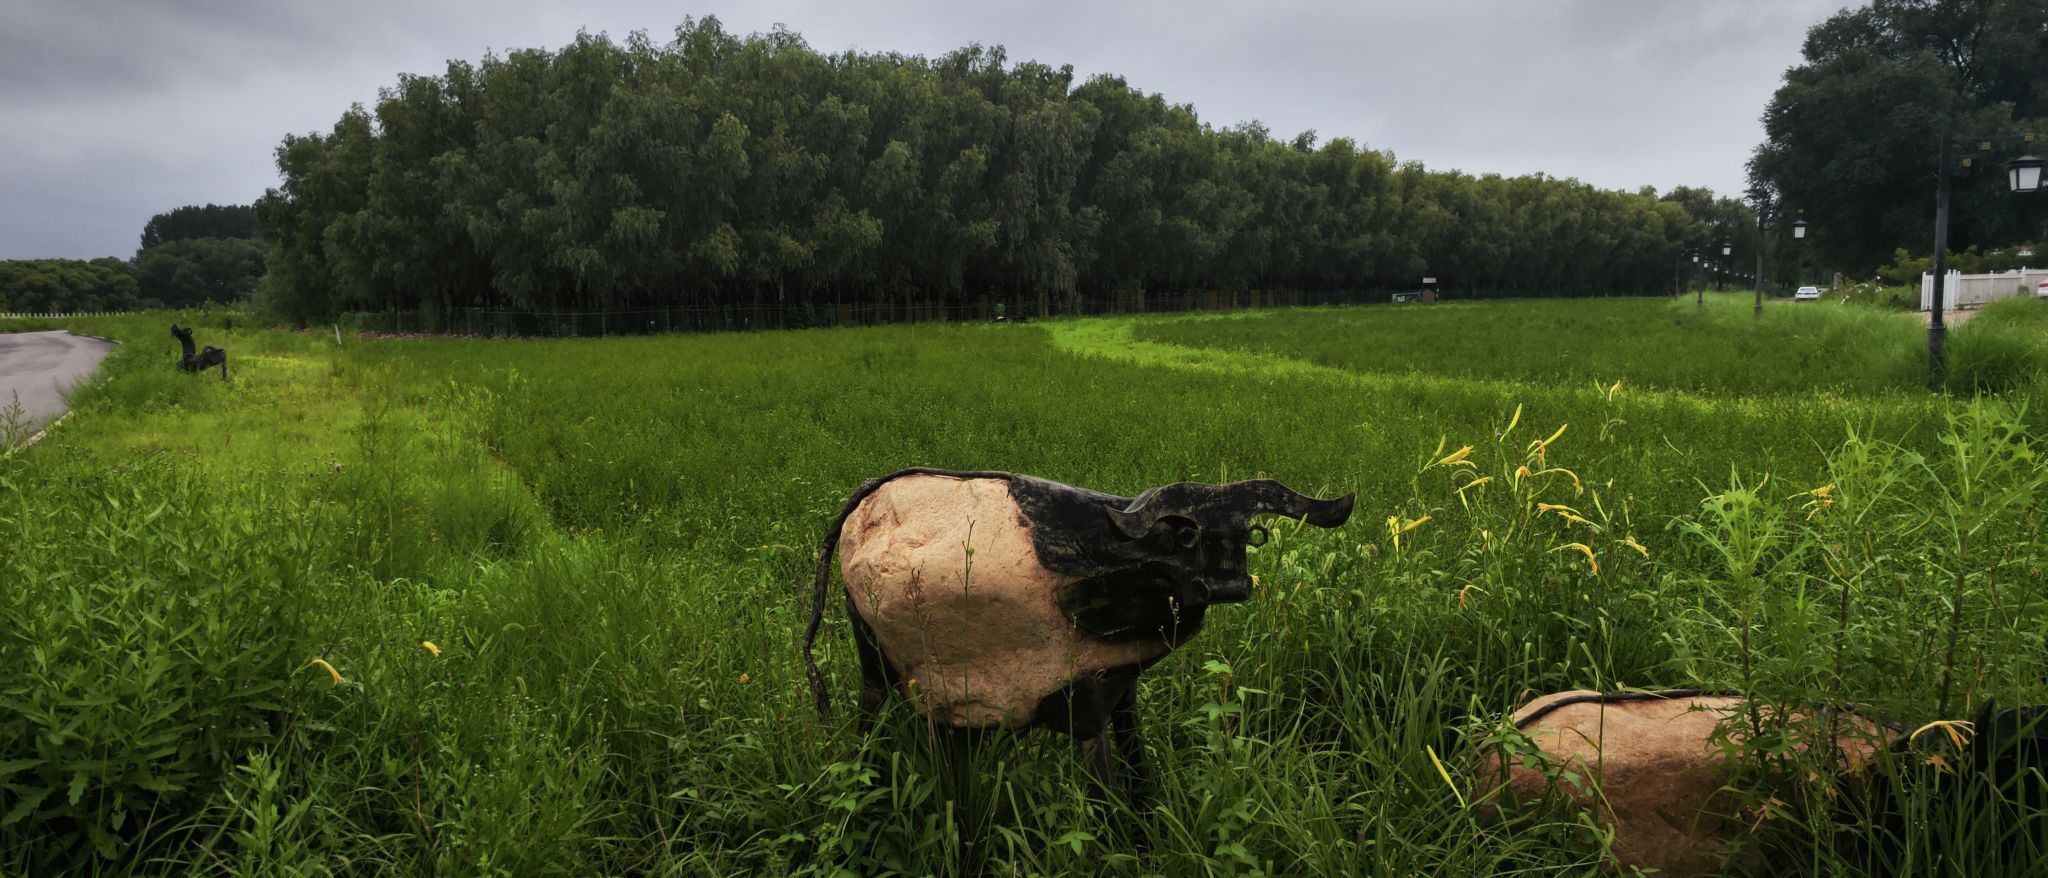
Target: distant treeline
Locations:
point(190, 256)
point(720, 169)
point(44, 286)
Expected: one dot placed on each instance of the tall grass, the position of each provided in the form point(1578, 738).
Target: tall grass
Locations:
point(554, 591)
point(1720, 349)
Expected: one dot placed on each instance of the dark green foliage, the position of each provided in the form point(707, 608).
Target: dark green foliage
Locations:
point(41, 286)
point(1853, 136)
point(1906, 268)
point(195, 271)
point(147, 638)
point(720, 171)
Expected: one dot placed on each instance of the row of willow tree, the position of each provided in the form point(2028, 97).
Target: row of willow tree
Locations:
point(720, 169)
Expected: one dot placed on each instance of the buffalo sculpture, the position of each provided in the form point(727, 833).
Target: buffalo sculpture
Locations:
point(996, 600)
point(199, 361)
point(1655, 769)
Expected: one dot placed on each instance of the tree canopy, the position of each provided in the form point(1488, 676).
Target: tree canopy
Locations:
point(193, 271)
point(200, 221)
point(64, 285)
point(1854, 134)
point(197, 254)
point(718, 169)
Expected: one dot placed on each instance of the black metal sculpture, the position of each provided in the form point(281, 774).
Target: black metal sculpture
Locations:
point(203, 360)
point(1023, 603)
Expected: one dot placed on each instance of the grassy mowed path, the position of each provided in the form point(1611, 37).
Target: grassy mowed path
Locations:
point(607, 544)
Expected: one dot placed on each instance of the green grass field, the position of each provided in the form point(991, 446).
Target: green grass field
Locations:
point(216, 601)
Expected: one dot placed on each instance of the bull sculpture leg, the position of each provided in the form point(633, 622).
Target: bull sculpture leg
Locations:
point(1100, 714)
point(213, 356)
point(1123, 723)
point(876, 677)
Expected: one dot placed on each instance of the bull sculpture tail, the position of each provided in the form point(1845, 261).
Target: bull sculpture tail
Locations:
point(823, 576)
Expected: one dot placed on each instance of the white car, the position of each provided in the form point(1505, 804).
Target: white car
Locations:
point(1807, 294)
point(2041, 289)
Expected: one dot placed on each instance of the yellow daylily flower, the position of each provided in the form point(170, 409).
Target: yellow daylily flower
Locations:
point(1631, 543)
point(1585, 550)
point(1543, 447)
point(1414, 524)
point(322, 663)
point(1959, 730)
point(1446, 775)
point(1577, 486)
point(1456, 457)
point(429, 646)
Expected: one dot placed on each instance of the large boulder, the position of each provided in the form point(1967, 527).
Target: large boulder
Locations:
point(1650, 769)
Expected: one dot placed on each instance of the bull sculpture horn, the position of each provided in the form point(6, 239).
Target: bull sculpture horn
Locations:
point(1266, 495)
point(1256, 497)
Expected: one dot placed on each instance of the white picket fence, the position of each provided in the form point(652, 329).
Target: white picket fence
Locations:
point(12, 315)
point(1973, 290)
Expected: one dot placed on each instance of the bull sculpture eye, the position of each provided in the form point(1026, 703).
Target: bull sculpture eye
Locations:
point(1187, 536)
point(1256, 537)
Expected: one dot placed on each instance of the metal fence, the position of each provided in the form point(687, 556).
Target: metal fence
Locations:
point(1971, 290)
point(11, 315)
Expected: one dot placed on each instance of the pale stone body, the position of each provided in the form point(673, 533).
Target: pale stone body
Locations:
point(1659, 773)
point(983, 643)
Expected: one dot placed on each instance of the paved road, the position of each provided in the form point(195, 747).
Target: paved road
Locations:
point(39, 366)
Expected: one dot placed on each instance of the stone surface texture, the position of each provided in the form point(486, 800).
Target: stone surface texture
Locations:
point(978, 640)
point(1660, 775)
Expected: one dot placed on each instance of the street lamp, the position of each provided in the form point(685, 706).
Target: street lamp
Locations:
point(2024, 173)
point(2019, 173)
point(1766, 219)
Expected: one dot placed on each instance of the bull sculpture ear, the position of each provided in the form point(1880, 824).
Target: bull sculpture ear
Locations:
point(1135, 521)
point(1268, 496)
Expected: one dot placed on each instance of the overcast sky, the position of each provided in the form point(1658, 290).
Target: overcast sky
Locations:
point(114, 110)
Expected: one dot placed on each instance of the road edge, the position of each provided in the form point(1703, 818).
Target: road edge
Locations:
point(39, 435)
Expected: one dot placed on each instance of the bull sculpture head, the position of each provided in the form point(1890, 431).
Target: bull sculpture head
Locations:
point(1206, 528)
point(1147, 567)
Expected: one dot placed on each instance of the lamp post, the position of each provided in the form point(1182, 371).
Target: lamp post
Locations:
point(1721, 267)
point(1765, 220)
point(1700, 298)
point(2023, 174)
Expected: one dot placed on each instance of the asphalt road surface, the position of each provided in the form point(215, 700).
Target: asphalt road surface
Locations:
point(40, 366)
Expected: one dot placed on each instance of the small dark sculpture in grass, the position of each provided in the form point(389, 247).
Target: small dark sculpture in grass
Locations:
point(993, 600)
point(202, 360)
